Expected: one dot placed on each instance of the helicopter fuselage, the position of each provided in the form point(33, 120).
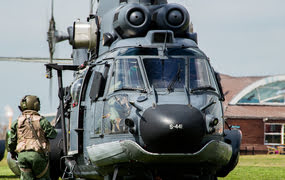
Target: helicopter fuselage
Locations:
point(155, 105)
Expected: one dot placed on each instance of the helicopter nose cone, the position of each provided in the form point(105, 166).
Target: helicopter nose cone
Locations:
point(172, 129)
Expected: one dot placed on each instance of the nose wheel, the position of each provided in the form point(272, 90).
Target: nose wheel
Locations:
point(115, 173)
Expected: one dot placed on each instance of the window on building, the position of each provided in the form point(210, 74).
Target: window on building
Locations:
point(274, 134)
point(271, 93)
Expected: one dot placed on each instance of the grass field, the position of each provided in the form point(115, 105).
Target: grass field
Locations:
point(259, 167)
point(5, 172)
point(250, 167)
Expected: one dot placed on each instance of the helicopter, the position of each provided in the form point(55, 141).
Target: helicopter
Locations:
point(145, 102)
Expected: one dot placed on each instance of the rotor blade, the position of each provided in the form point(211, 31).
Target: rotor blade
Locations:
point(37, 60)
point(51, 34)
point(52, 8)
point(92, 4)
point(51, 38)
point(51, 43)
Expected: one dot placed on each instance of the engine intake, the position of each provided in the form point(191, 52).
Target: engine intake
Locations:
point(172, 17)
point(132, 20)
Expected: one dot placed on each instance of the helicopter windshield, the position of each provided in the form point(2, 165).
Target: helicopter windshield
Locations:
point(126, 76)
point(180, 68)
point(172, 73)
point(162, 73)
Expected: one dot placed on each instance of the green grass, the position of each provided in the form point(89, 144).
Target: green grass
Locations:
point(259, 167)
point(5, 172)
point(256, 167)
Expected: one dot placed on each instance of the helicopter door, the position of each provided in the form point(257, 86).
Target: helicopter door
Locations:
point(96, 93)
point(73, 136)
point(78, 112)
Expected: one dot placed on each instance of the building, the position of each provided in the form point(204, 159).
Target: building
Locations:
point(256, 105)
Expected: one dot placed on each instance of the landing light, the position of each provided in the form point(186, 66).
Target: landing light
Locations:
point(108, 39)
point(215, 122)
point(131, 124)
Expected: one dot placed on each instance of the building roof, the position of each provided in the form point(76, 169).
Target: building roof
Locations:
point(233, 86)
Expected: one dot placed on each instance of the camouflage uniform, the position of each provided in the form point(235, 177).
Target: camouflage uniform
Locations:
point(32, 151)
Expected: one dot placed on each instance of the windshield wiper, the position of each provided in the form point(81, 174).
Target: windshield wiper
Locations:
point(130, 89)
point(174, 80)
point(203, 88)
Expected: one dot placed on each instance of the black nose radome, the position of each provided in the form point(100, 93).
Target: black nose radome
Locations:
point(172, 128)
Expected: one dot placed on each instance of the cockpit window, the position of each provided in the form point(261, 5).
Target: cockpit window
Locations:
point(126, 76)
point(199, 74)
point(139, 52)
point(171, 73)
point(164, 73)
point(116, 110)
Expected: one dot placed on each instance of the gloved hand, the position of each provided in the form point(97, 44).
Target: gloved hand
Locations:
point(14, 155)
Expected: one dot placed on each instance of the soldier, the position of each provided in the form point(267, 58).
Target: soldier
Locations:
point(29, 140)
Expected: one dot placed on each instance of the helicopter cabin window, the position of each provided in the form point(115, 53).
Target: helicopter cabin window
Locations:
point(126, 76)
point(116, 110)
point(165, 73)
point(75, 91)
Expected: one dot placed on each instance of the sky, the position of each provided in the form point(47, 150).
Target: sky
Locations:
point(241, 38)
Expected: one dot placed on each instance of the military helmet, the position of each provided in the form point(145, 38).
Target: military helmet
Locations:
point(30, 102)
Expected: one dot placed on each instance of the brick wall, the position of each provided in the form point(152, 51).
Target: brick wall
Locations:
point(252, 134)
point(252, 130)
